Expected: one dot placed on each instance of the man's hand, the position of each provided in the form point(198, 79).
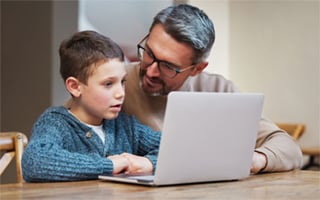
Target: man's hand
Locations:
point(259, 162)
point(137, 164)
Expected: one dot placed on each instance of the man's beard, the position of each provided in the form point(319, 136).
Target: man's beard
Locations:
point(162, 92)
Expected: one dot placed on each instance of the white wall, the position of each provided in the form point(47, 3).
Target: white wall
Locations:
point(274, 49)
point(125, 21)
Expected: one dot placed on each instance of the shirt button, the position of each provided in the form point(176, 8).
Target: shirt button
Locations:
point(88, 134)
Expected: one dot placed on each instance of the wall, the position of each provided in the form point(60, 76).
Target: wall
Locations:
point(273, 49)
point(64, 24)
point(126, 23)
point(25, 66)
point(218, 11)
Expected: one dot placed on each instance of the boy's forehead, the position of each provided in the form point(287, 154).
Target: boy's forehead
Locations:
point(108, 62)
point(110, 67)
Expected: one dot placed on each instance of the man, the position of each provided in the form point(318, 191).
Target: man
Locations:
point(173, 57)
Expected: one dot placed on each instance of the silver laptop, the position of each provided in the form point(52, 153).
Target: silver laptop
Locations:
point(206, 137)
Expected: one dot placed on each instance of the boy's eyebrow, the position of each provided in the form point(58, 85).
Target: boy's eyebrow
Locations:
point(125, 75)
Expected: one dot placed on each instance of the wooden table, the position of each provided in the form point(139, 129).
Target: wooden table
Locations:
point(299, 184)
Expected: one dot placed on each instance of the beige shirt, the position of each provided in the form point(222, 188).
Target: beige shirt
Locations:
point(282, 151)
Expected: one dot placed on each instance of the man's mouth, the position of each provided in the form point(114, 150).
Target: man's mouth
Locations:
point(152, 82)
point(151, 86)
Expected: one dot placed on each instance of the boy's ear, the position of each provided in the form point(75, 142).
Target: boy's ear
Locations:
point(199, 68)
point(73, 86)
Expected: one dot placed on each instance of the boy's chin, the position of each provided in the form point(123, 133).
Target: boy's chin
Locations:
point(111, 116)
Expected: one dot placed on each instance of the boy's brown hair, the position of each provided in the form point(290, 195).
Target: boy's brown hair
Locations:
point(80, 53)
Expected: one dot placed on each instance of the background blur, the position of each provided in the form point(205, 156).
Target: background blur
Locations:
point(264, 46)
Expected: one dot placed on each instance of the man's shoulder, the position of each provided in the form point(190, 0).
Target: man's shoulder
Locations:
point(212, 82)
point(210, 76)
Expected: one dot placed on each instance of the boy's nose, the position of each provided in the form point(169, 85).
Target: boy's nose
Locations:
point(120, 92)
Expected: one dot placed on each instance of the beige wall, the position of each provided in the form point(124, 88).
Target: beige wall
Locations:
point(218, 11)
point(274, 49)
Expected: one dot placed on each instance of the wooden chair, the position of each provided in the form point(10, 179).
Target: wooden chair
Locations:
point(296, 130)
point(312, 152)
point(12, 145)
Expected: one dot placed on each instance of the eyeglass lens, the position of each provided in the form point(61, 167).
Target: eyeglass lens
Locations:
point(146, 59)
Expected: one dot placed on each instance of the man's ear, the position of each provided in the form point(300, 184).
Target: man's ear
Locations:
point(73, 86)
point(199, 68)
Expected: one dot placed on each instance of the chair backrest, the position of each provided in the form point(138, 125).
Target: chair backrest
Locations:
point(12, 145)
point(296, 130)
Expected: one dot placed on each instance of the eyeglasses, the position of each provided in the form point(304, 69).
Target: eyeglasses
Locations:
point(147, 58)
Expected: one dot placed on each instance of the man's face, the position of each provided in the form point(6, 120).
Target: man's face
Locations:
point(163, 47)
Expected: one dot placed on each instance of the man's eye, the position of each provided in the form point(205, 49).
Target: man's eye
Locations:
point(169, 66)
point(149, 53)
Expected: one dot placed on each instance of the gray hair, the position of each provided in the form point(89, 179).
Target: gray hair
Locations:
point(190, 25)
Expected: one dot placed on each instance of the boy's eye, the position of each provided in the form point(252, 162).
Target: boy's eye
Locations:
point(108, 84)
point(123, 81)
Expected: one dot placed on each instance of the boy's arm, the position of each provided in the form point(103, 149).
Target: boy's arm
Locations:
point(54, 155)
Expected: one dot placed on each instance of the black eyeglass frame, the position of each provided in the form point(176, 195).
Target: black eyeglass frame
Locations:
point(168, 65)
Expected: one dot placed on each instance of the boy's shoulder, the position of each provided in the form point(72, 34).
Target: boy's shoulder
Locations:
point(55, 109)
point(54, 112)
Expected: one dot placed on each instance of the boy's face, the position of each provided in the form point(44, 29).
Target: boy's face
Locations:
point(103, 95)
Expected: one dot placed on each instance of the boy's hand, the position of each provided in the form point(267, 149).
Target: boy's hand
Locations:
point(120, 163)
point(137, 164)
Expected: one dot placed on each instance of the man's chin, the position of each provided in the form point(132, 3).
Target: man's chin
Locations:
point(150, 88)
point(152, 92)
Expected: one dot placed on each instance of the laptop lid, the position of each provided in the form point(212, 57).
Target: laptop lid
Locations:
point(206, 137)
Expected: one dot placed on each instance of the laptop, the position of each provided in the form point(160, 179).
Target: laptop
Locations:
point(206, 137)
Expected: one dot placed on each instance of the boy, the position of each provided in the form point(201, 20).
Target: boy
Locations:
point(92, 136)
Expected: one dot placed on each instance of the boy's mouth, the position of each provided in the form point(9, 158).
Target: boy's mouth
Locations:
point(116, 108)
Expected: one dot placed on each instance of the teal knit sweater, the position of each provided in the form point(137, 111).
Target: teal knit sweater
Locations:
point(61, 148)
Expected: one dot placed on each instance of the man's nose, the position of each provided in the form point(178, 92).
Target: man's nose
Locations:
point(153, 70)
